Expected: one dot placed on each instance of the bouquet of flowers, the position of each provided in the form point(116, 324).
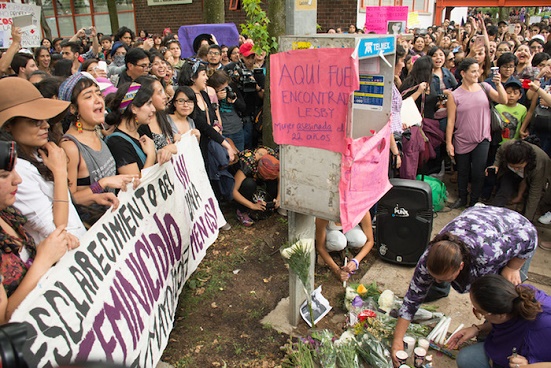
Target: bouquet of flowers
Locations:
point(298, 259)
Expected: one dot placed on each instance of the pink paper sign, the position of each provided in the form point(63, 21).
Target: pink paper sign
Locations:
point(364, 176)
point(386, 19)
point(310, 94)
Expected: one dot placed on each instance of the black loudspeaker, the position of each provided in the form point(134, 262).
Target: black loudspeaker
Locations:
point(404, 221)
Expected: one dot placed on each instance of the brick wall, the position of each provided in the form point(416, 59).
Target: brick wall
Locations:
point(331, 13)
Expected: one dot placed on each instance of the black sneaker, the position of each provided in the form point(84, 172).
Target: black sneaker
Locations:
point(460, 203)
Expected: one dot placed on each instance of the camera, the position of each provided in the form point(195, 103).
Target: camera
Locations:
point(88, 31)
point(230, 94)
point(441, 97)
point(242, 77)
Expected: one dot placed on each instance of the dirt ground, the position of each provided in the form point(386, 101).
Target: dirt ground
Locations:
point(241, 279)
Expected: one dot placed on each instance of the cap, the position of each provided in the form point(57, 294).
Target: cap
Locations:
point(246, 49)
point(18, 97)
point(116, 46)
point(502, 22)
point(538, 37)
point(512, 82)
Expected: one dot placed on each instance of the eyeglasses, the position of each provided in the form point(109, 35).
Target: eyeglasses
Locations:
point(451, 59)
point(144, 66)
point(213, 53)
point(536, 47)
point(503, 50)
point(478, 314)
point(508, 66)
point(183, 101)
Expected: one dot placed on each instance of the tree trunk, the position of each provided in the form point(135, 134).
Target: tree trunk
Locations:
point(276, 28)
point(113, 18)
point(213, 11)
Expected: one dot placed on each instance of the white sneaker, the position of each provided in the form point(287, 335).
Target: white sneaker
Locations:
point(226, 227)
point(545, 219)
point(282, 212)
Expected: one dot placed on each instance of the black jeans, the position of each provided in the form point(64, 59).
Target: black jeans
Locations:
point(507, 188)
point(472, 165)
point(248, 189)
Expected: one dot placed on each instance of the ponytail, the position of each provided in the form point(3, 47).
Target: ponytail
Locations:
point(525, 304)
point(497, 295)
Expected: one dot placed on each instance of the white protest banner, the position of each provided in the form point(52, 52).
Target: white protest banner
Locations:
point(113, 299)
point(31, 33)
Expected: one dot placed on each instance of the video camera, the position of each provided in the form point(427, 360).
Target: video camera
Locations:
point(245, 79)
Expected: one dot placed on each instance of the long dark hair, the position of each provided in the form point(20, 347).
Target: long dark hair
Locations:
point(497, 295)
point(190, 71)
point(446, 252)
point(421, 72)
point(115, 116)
point(164, 124)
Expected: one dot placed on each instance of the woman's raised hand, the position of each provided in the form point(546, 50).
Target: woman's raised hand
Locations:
point(54, 157)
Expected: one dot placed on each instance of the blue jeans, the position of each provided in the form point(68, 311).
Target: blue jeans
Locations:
point(238, 139)
point(474, 356)
point(472, 165)
point(248, 133)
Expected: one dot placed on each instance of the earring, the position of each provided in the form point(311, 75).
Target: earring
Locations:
point(136, 120)
point(78, 124)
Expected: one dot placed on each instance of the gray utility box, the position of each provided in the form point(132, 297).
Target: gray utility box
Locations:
point(310, 176)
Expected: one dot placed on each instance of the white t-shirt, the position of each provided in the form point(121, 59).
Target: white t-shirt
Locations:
point(35, 201)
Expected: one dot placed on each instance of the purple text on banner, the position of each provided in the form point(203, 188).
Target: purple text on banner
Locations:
point(310, 94)
point(364, 176)
point(379, 16)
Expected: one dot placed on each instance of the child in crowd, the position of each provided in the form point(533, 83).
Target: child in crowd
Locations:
point(513, 113)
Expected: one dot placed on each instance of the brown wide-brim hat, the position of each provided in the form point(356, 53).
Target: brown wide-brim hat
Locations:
point(19, 98)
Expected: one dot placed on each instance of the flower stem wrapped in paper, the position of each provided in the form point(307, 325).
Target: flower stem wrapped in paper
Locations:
point(298, 257)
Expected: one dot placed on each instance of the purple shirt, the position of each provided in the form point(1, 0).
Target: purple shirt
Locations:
point(472, 122)
point(531, 338)
point(395, 111)
point(494, 235)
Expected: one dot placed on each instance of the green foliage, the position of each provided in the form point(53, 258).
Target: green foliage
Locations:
point(256, 27)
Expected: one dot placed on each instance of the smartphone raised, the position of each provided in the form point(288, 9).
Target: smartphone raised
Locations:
point(479, 42)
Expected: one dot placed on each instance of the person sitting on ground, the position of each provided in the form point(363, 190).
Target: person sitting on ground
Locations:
point(330, 238)
point(43, 197)
point(480, 241)
point(524, 170)
point(517, 319)
point(257, 168)
point(22, 262)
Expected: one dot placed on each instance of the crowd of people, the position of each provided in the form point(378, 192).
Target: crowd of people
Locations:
point(81, 117)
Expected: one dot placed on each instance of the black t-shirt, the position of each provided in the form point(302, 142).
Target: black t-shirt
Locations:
point(123, 151)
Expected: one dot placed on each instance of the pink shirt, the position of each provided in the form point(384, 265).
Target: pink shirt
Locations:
point(472, 123)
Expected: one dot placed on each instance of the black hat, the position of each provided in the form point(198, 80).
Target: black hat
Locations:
point(502, 22)
point(197, 41)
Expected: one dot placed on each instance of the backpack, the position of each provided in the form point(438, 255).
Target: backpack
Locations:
point(438, 188)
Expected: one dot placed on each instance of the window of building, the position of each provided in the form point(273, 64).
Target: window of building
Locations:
point(65, 17)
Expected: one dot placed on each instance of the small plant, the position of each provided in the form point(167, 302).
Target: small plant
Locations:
point(256, 27)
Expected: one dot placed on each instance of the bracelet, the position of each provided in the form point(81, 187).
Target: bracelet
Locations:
point(477, 329)
point(356, 263)
point(537, 90)
point(60, 200)
point(96, 187)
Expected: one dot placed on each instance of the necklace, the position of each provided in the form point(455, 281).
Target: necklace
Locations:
point(89, 130)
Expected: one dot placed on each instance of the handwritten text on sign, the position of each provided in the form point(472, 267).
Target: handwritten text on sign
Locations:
point(310, 94)
point(114, 298)
point(379, 16)
point(31, 36)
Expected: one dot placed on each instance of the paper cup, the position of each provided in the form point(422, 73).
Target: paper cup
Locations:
point(423, 343)
point(409, 344)
point(401, 356)
point(419, 357)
